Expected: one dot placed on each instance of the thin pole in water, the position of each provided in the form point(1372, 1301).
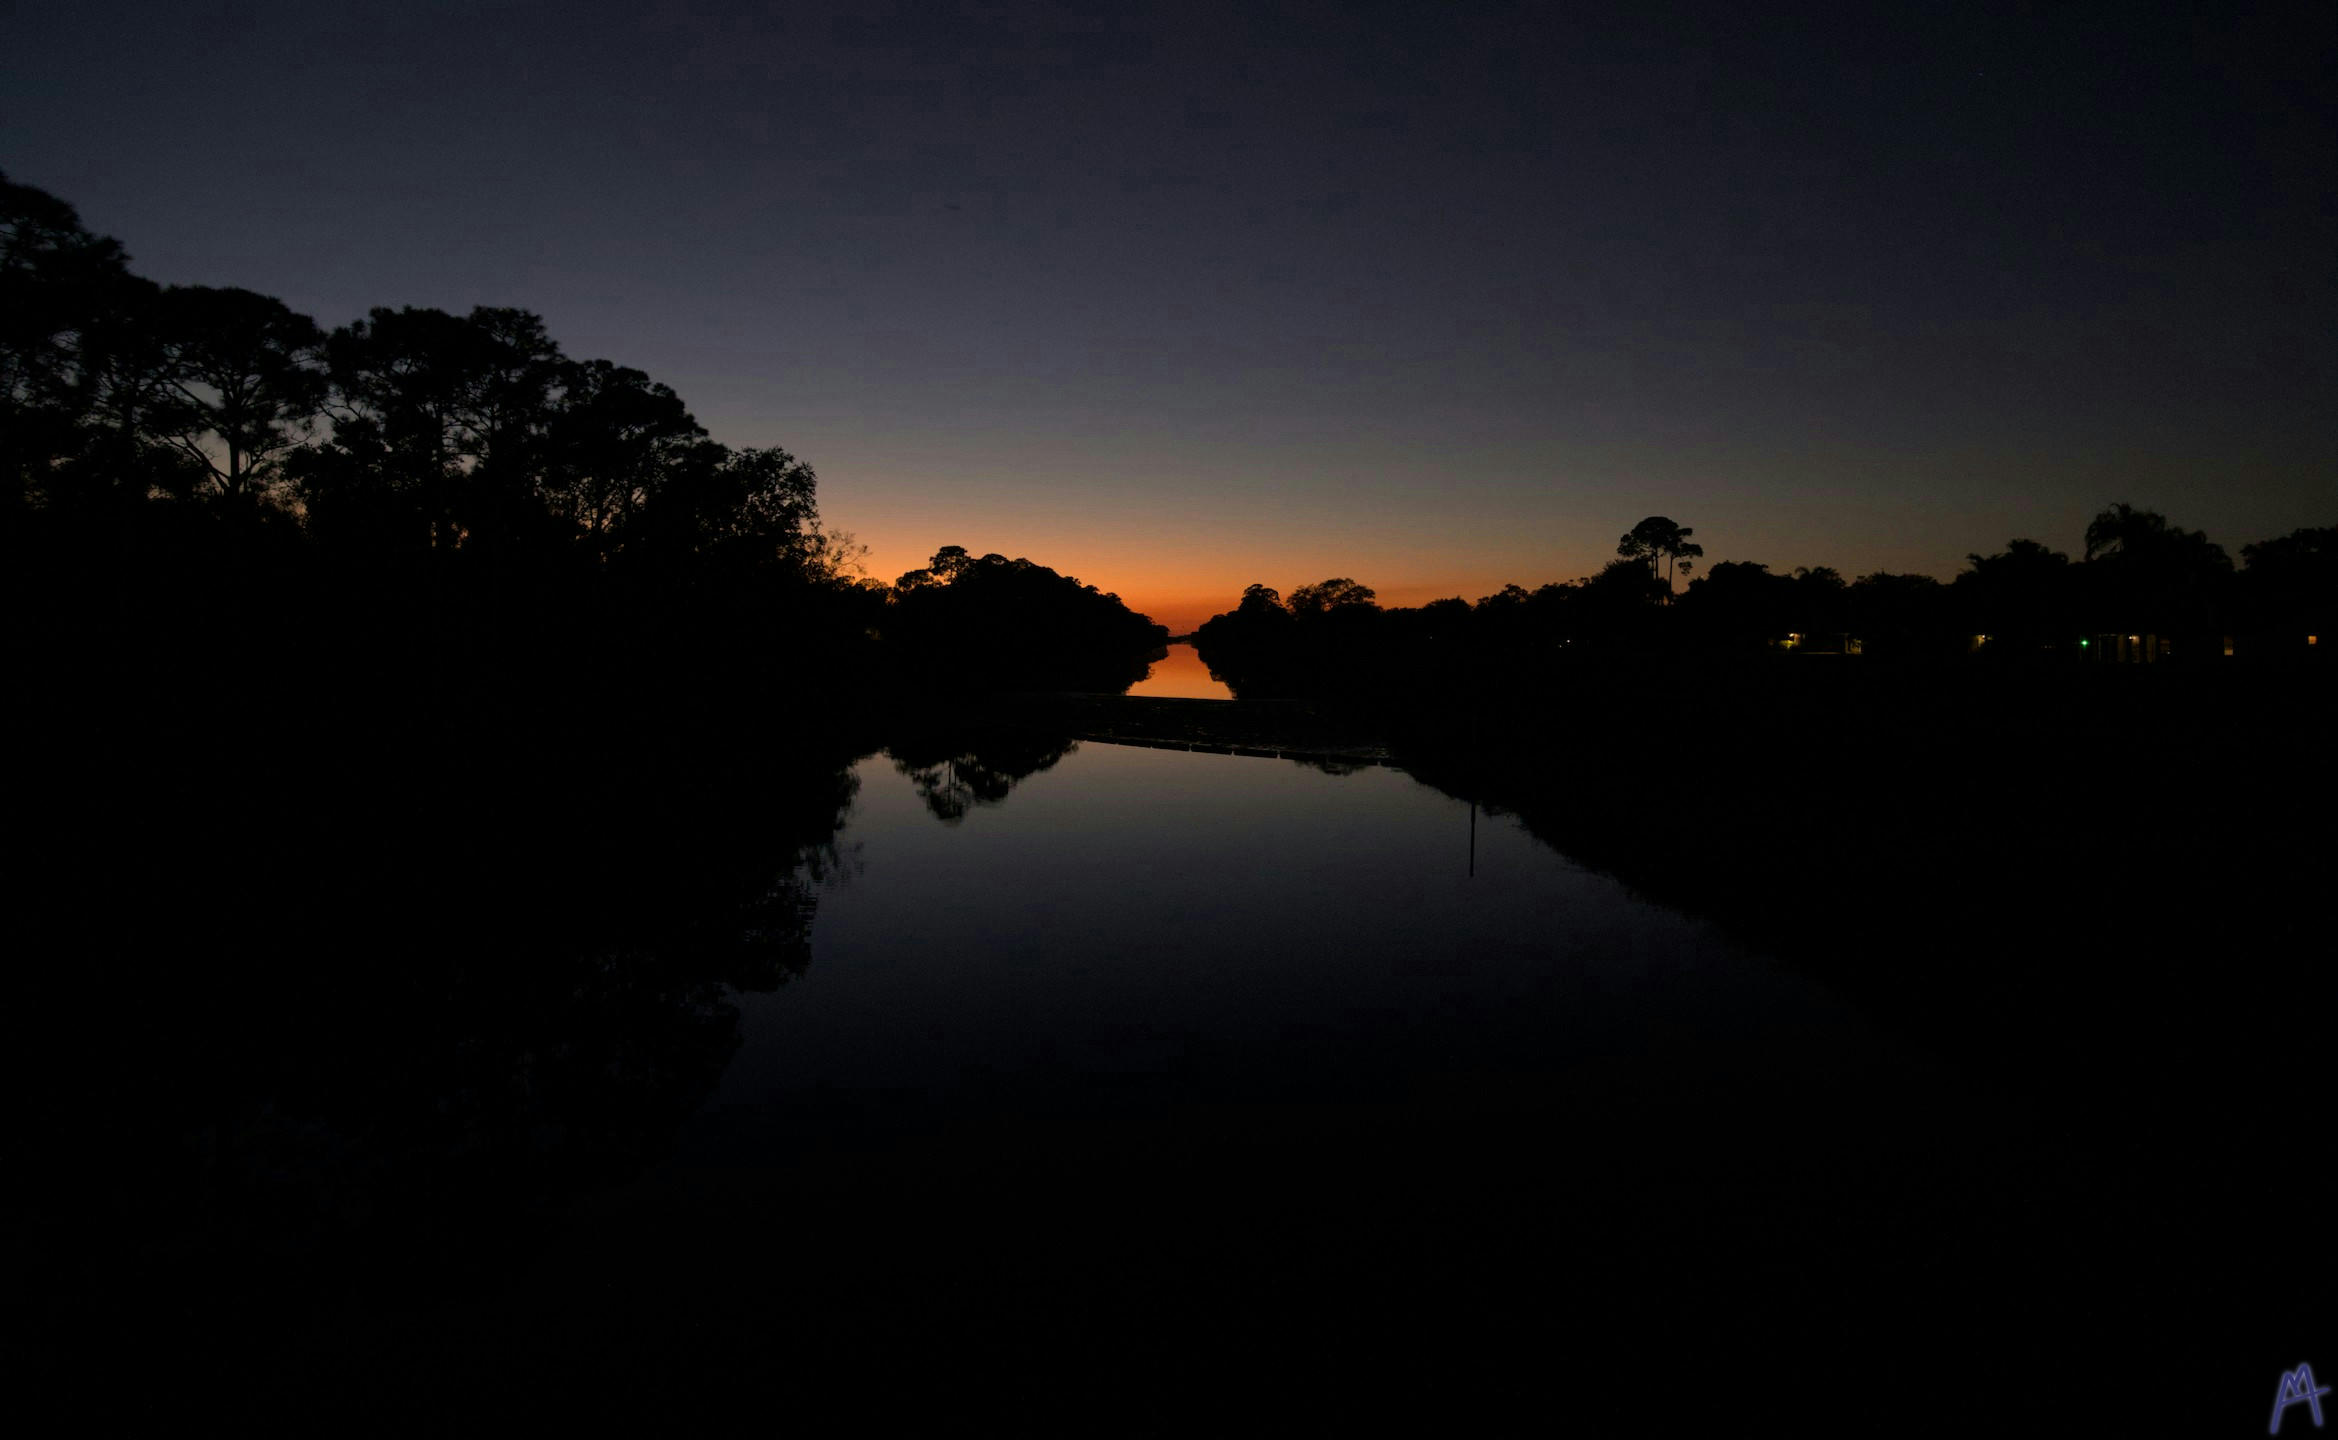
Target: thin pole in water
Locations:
point(1476, 709)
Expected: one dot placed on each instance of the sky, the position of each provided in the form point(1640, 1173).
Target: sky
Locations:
point(1179, 297)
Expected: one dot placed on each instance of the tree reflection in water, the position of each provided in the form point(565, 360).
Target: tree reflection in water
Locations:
point(305, 1064)
point(954, 772)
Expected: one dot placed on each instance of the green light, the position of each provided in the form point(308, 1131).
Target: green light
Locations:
point(2084, 643)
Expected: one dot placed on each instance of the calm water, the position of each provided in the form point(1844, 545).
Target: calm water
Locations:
point(1133, 928)
point(1180, 675)
point(1127, 1091)
point(1168, 1092)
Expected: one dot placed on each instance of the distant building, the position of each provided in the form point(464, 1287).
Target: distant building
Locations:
point(2117, 649)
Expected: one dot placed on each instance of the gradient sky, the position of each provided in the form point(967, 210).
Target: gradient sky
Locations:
point(1176, 297)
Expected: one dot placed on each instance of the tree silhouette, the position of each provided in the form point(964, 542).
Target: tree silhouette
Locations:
point(59, 285)
point(2023, 594)
point(2146, 574)
point(614, 441)
point(439, 425)
point(1657, 537)
point(1261, 602)
point(2290, 584)
point(1615, 608)
point(1326, 596)
point(243, 383)
point(2123, 529)
point(1739, 605)
point(995, 622)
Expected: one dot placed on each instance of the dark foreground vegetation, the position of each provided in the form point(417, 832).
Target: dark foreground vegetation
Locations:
point(424, 738)
point(453, 486)
point(2066, 822)
point(2130, 747)
point(2103, 785)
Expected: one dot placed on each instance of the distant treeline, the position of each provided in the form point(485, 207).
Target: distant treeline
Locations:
point(2144, 590)
point(185, 468)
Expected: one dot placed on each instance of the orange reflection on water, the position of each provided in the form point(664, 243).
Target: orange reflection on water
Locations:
point(1180, 675)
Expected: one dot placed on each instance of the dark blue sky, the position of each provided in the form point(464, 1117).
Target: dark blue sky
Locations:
point(1176, 297)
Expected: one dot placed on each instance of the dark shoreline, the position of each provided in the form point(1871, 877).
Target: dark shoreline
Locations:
point(1836, 802)
point(1287, 729)
point(2157, 1075)
point(2101, 895)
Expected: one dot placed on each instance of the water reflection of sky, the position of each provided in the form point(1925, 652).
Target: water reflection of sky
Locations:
point(1180, 675)
point(1139, 925)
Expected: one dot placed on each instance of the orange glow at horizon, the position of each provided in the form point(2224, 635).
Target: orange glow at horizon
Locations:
point(1183, 590)
point(1181, 553)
